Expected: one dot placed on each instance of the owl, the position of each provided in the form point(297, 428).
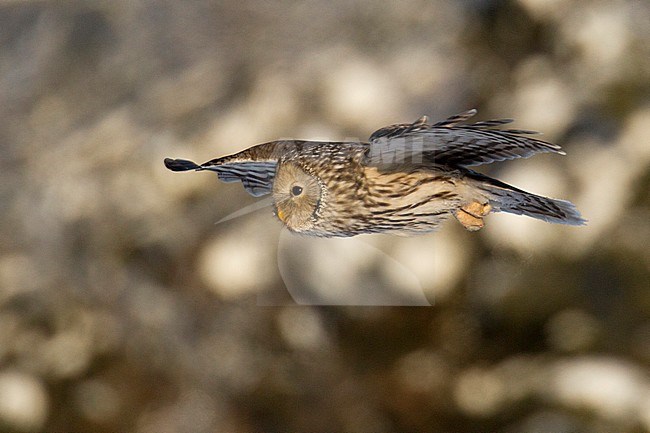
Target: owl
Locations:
point(406, 180)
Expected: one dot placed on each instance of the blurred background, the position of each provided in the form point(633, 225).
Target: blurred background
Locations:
point(124, 307)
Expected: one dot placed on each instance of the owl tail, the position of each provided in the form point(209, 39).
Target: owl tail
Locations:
point(506, 198)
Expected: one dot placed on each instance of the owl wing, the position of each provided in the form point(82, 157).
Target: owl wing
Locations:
point(448, 142)
point(254, 167)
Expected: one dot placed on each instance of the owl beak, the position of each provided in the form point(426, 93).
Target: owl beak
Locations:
point(281, 215)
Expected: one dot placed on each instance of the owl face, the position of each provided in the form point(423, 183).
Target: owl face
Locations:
point(297, 196)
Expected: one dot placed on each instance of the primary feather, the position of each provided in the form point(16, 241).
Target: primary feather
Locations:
point(450, 143)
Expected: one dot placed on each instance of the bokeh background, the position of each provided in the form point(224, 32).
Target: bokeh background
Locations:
point(124, 307)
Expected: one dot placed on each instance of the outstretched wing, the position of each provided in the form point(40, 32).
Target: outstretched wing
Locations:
point(448, 142)
point(254, 167)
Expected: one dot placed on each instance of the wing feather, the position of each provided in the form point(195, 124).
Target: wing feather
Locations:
point(449, 142)
point(255, 167)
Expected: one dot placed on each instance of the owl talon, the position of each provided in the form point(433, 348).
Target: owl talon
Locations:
point(469, 221)
point(471, 215)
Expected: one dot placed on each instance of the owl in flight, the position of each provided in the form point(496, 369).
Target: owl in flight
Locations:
point(405, 180)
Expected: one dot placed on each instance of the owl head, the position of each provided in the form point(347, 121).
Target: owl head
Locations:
point(297, 196)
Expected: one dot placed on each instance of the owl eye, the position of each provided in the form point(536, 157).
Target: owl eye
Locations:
point(296, 190)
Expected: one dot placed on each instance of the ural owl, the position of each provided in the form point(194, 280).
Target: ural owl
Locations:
point(405, 180)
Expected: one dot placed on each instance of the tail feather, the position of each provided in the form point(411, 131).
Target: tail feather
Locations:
point(506, 198)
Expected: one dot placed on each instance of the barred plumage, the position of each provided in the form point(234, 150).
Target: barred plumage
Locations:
point(406, 180)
